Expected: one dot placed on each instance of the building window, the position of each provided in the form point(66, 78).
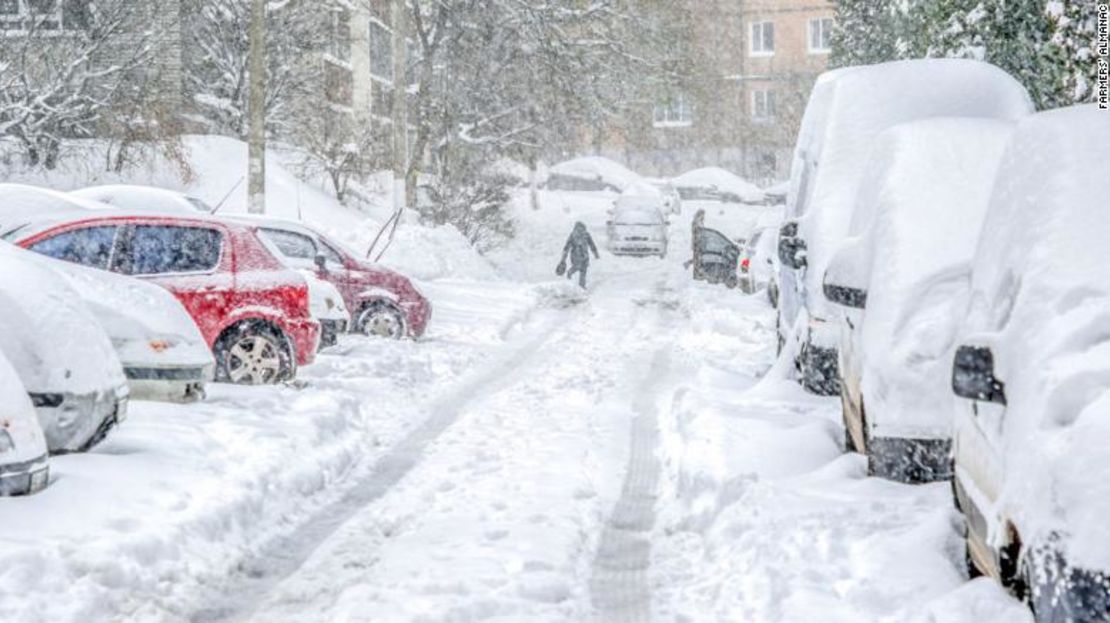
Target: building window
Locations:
point(763, 105)
point(381, 52)
point(763, 39)
point(340, 36)
point(673, 112)
point(820, 35)
point(26, 15)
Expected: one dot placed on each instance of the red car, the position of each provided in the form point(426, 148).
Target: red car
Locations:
point(251, 309)
point(382, 302)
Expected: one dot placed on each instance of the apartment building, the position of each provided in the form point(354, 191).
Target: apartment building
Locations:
point(787, 43)
point(753, 63)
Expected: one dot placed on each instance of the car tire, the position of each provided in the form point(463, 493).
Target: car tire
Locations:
point(732, 281)
point(254, 353)
point(381, 320)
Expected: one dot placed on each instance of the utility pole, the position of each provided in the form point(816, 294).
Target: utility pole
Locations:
point(399, 23)
point(256, 186)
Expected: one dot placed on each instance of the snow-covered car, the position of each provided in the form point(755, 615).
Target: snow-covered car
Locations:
point(144, 198)
point(670, 200)
point(847, 111)
point(1032, 474)
point(716, 184)
point(326, 305)
point(637, 227)
point(163, 353)
point(24, 465)
point(591, 173)
point(64, 358)
point(901, 276)
point(21, 204)
point(380, 302)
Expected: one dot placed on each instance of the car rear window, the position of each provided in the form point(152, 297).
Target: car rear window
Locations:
point(163, 249)
point(291, 244)
point(90, 246)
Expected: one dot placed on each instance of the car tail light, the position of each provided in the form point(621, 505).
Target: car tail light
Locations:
point(745, 264)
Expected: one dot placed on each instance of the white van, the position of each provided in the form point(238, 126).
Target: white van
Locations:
point(902, 277)
point(1032, 470)
point(848, 110)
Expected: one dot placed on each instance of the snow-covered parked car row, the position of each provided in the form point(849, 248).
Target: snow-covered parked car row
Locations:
point(102, 305)
point(942, 272)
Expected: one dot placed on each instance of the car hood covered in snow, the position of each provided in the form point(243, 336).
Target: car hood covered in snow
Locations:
point(852, 110)
point(145, 323)
point(918, 220)
point(1041, 300)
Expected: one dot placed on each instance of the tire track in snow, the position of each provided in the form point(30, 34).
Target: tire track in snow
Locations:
point(282, 557)
point(620, 589)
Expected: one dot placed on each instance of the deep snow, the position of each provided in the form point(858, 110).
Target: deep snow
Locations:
point(514, 464)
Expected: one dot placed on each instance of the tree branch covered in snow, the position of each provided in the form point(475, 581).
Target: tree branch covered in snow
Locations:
point(73, 77)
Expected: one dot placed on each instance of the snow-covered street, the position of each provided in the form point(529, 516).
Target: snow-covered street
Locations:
point(627, 453)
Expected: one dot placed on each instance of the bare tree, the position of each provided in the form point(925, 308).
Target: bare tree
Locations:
point(64, 70)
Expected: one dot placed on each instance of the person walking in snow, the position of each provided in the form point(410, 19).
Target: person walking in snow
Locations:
point(578, 246)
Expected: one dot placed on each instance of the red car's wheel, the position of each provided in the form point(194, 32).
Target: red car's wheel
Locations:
point(381, 320)
point(254, 354)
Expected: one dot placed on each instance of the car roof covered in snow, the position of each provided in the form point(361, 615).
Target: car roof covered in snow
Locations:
point(642, 188)
point(858, 105)
point(143, 198)
point(720, 179)
point(597, 168)
point(1041, 301)
point(21, 204)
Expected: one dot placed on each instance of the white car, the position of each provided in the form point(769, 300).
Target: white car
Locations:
point(164, 356)
point(24, 466)
point(325, 303)
point(1032, 471)
point(902, 277)
point(637, 227)
point(129, 197)
point(847, 111)
point(64, 358)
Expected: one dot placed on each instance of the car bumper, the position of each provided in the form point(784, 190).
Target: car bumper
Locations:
point(305, 335)
point(180, 384)
point(909, 460)
point(76, 423)
point(417, 317)
point(24, 478)
point(819, 369)
point(330, 331)
point(1062, 593)
point(638, 247)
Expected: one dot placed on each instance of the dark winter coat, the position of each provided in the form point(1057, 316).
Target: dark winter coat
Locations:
point(579, 245)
